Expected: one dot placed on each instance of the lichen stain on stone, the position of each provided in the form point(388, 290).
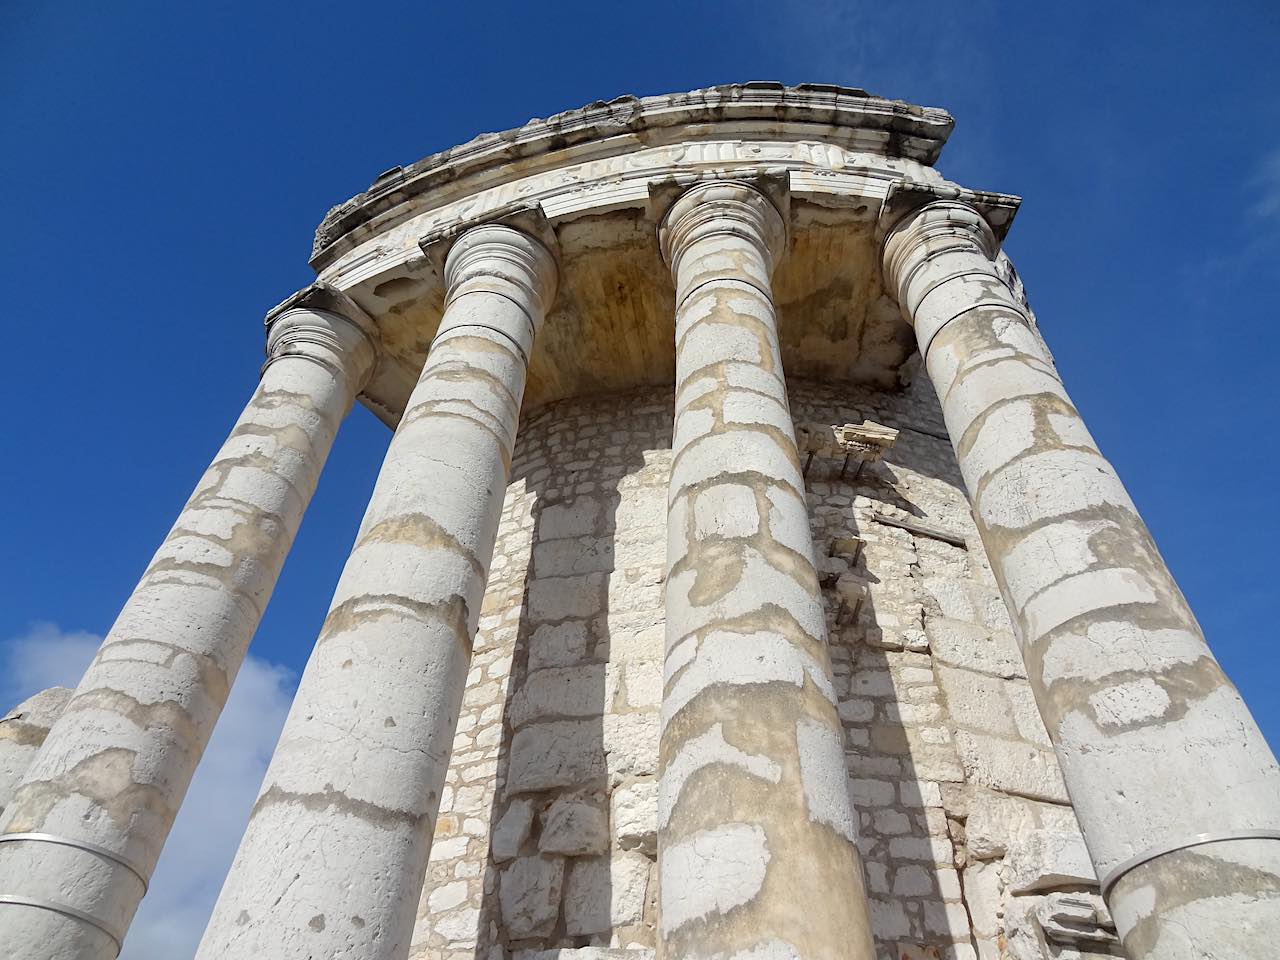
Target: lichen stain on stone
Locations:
point(331, 799)
point(367, 608)
point(106, 778)
point(428, 412)
point(161, 715)
point(20, 733)
point(419, 530)
point(462, 370)
point(807, 855)
point(1185, 877)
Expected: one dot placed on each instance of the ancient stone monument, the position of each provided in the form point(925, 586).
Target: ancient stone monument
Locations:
point(616, 666)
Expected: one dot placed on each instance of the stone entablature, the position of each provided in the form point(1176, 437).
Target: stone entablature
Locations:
point(598, 181)
point(839, 116)
point(619, 668)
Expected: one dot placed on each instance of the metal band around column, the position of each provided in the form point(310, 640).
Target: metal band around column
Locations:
point(84, 845)
point(116, 938)
point(1198, 840)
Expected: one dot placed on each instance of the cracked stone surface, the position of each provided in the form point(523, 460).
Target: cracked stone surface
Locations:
point(342, 827)
point(1154, 742)
point(753, 806)
point(115, 765)
point(612, 672)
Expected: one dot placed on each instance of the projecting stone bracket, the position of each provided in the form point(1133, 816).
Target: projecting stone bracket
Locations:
point(1080, 918)
point(866, 442)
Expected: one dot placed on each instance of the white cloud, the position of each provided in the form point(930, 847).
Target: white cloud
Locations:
point(204, 838)
point(43, 657)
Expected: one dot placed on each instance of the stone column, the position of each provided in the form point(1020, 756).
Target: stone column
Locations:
point(757, 838)
point(332, 862)
point(86, 824)
point(1172, 782)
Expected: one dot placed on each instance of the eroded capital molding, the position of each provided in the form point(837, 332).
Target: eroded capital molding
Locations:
point(905, 197)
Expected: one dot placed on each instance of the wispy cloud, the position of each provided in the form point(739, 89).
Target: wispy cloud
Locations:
point(208, 829)
point(45, 656)
point(1266, 183)
point(1250, 240)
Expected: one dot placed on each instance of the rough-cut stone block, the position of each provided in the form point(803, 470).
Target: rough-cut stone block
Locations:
point(569, 558)
point(1044, 859)
point(1026, 715)
point(888, 919)
point(449, 849)
point(982, 893)
point(529, 893)
point(577, 518)
point(574, 826)
point(978, 701)
point(635, 815)
point(870, 793)
point(557, 754)
point(631, 740)
point(912, 881)
point(447, 896)
point(605, 892)
point(891, 822)
point(946, 919)
point(638, 684)
point(511, 831)
point(458, 926)
point(1012, 766)
point(920, 793)
point(951, 596)
point(974, 647)
point(559, 645)
point(558, 693)
point(561, 598)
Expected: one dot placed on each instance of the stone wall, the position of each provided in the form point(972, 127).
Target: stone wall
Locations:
point(546, 836)
point(545, 843)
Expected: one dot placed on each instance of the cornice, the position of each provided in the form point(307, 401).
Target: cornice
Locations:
point(842, 116)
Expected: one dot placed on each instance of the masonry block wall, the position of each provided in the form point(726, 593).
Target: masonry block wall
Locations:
point(546, 840)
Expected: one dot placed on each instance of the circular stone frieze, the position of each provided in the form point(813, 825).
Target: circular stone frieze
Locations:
point(594, 183)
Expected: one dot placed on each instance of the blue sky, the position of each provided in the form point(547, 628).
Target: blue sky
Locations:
point(164, 167)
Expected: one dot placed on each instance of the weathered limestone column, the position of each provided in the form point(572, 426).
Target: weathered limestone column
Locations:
point(88, 820)
point(332, 862)
point(1172, 782)
point(22, 732)
point(756, 843)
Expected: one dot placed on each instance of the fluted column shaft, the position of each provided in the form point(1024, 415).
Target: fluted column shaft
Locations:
point(94, 807)
point(1170, 777)
point(756, 842)
point(333, 860)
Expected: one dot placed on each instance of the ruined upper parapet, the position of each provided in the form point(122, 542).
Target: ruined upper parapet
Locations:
point(845, 116)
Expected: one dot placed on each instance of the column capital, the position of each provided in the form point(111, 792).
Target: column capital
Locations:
point(498, 259)
point(920, 223)
point(322, 324)
point(905, 198)
point(722, 208)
